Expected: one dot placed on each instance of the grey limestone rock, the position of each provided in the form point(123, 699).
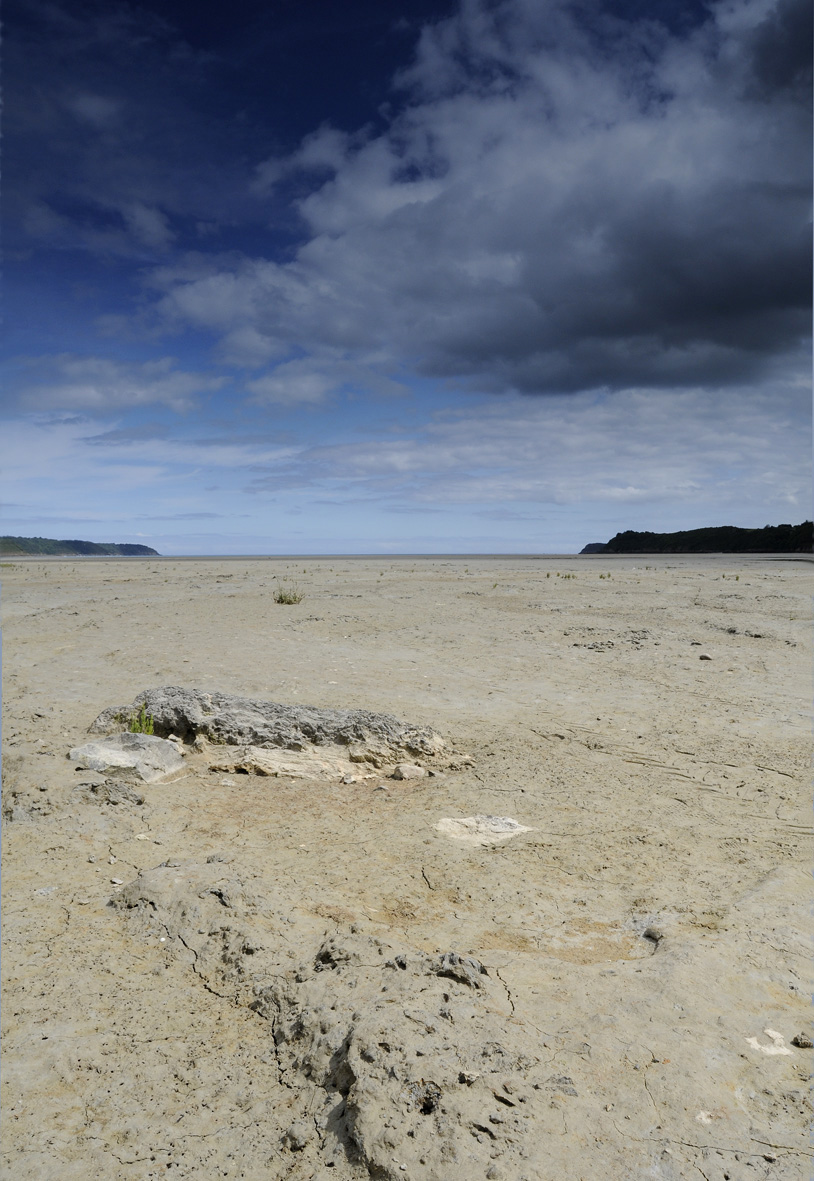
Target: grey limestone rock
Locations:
point(242, 721)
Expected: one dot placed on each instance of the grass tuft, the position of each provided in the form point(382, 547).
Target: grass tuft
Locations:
point(141, 723)
point(288, 595)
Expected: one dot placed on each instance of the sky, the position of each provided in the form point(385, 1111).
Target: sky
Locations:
point(294, 276)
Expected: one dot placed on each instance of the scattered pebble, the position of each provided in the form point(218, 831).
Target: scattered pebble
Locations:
point(705, 656)
point(802, 1041)
point(117, 881)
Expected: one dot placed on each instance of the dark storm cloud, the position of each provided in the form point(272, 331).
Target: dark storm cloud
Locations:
point(565, 200)
point(560, 196)
point(780, 49)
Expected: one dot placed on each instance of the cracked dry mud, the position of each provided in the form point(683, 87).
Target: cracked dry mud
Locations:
point(269, 976)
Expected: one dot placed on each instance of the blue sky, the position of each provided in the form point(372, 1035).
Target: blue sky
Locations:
point(373, 277)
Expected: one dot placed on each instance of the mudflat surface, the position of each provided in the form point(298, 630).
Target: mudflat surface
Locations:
point(278, 1001)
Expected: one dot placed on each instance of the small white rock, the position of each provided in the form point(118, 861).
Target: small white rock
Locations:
point(408, 771)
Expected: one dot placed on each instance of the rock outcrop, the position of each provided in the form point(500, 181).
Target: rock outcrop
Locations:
point(240, 721)
point(397, 1062)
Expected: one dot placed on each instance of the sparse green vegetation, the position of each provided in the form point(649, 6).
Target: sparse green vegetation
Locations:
point(288, 595)
point(141, 723)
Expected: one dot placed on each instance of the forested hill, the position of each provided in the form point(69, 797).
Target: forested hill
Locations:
point(19, 546)
point(723, 539)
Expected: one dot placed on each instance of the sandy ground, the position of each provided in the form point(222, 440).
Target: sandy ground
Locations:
point(639, 941)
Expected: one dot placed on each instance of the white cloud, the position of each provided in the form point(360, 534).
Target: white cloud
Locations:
point(717, 455)
point(100, 384)
point(49, 461)
point(312, 379)
point(557, 472)
point(294, 382)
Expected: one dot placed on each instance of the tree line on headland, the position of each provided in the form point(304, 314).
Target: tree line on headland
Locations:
point(47, 547)
point(721, 539)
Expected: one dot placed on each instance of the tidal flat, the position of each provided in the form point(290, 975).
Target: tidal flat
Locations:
point(295, 970)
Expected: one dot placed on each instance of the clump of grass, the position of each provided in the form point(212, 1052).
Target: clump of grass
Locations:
point(141, 723)
point(288, 595)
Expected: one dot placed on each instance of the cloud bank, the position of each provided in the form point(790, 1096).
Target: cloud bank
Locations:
point(565, 201)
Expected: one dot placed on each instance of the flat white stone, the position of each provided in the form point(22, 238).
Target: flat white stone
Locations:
point(150, 757)
point(481, 830)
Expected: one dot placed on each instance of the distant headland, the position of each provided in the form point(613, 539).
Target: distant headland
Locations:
point(722, 539)
point(47, 547)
